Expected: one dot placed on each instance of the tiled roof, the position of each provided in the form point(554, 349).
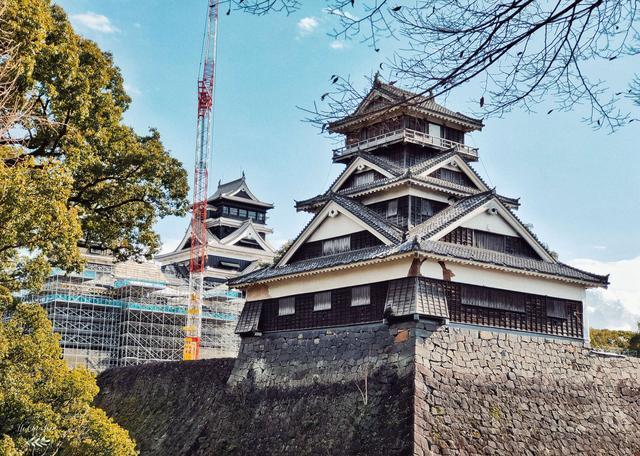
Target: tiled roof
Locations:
point(439, 248)
point(227, 187)
point(465, 252)
point(446, 155)
point(313, 264)
point(249, 318)
point(402, 97)
point(447, 216)
point(370, 217)
point(415, 295)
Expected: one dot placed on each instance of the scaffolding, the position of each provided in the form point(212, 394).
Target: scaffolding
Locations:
point(107, 320)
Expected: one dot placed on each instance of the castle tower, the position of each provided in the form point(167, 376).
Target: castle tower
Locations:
point(237, 235)
point(410, 231)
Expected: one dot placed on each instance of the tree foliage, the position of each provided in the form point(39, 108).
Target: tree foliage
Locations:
point(121, 182)
point(45, 407)
point(615, 339)
point(70, 171)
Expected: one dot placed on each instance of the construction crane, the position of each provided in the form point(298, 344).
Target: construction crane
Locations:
point(197, 263)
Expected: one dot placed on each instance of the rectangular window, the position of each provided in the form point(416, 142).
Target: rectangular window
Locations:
point(360, 296)
point(556, 308)
point(252, 215)
point(392, 208)
point(362, 178)
point(322, 301)
point(233, 211)
point(260, 217)
point(242, 213)
point(425, 207)
point(337, 245)
point(225, 210)
point(435, 130)
point(492, 299)
point(286, 306)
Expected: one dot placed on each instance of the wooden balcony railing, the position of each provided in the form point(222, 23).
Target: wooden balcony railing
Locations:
point(407, 135)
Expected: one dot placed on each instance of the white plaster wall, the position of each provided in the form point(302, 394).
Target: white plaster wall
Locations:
point(333, 227)
point(492, 223)
point(504, 280)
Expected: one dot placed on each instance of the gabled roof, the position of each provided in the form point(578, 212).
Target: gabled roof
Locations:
point(321, 263)
point(447, 220)
point(237, 190)
point(247, 228)
point(437, 250)
point(369, 220)
point(448, 216)
point(499, 259)
point(401, 99)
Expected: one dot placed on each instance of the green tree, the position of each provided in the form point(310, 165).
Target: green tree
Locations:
point(121, 182)
point(45, 407)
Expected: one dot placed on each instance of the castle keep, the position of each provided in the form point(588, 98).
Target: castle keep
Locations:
point(410, 231)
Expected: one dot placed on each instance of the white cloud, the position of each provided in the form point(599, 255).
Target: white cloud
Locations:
point(307, 25)
point(93, 21)
point(617, 307)
point(132, 90)
point(341, 13)
point(337, 44)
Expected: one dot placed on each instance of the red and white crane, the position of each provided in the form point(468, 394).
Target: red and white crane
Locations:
point(197, 263)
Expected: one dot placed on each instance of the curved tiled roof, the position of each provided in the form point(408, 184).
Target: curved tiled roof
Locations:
point(465, 252)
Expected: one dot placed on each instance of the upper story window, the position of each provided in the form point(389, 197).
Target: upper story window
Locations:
point(286, 306)
point(360, 296)
point(493, 299)
point(435, 130)
point(556, 309)
point(336, 245)
point(392, 208)
point(322, 301)
point(363, 178)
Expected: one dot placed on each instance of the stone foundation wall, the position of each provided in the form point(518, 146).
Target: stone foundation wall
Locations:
point(335, 355)
point(479, 392)
point(430, 390)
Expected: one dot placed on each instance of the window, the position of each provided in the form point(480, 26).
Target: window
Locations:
point(435, 130)
point(556, 309)
point(337, 245)
point(242, 213)
point(252, 215)
point(362, 178)
point(492, 299)
point(392, 208)
point(286, 306)
point(233, 211)
point(260, 217)
point(225, 210)
point(322, 301)
point(360, 296)
point(425, 207)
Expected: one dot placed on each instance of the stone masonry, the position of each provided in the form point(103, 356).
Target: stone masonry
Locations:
point(430, 389)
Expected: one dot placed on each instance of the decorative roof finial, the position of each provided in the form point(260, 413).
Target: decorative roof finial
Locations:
point(376, 79)
point(219, 182)
point(243, 173)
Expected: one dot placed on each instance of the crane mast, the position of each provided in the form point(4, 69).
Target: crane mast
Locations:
point(198, 257)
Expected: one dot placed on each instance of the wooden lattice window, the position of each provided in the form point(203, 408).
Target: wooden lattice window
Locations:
point(286, 306)
point(360, 296)
point(322, 301)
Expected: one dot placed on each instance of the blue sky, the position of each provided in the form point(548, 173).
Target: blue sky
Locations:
point(578, 187)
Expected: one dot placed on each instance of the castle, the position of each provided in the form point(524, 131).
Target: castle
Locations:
point(410, 231)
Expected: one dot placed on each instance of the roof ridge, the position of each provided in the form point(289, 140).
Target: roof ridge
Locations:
point(371, 213)
point(440, 220)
